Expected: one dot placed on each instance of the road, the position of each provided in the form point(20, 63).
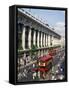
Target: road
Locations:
point(57, 71)
point(58, 65)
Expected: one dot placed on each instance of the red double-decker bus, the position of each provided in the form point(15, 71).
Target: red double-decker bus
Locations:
point(44, 65)
point(52, 52)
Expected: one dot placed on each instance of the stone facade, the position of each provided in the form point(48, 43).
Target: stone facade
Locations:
point(31, 32)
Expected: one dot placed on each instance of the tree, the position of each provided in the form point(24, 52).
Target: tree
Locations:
point(33, 51)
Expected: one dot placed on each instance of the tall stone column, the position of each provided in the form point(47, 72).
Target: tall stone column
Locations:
point(38, 39)
point(52, 40)
point(41, 39)
point(23, 37)
point(44, 40)
point(48, 40)
point(34, 38)
point(29, 38)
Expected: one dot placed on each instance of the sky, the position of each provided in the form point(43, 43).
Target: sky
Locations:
point(55, 18)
